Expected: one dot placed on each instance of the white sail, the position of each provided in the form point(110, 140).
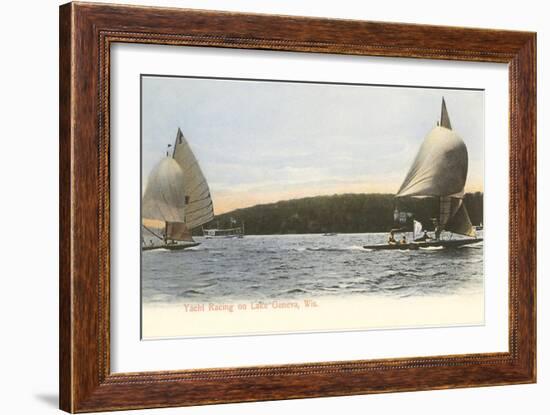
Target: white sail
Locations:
point(440, 167)
point(198, 207)
point(164, 197)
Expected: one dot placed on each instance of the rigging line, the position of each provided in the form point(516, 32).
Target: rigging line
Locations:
point(200, 219)
point(203, 193)
point(198, 205)
point(149, 230)
point(197, 201)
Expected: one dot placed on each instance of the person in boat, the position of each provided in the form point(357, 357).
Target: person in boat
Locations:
point(437, 232)
point(404, 240)
point(391, 239)
point(424, 237)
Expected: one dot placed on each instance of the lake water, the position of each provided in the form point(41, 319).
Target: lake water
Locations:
point(305, 266)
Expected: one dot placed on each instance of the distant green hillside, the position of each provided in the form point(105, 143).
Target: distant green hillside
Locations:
point(344, 213)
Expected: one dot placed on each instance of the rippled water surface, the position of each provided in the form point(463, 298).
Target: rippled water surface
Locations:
point(298, 266)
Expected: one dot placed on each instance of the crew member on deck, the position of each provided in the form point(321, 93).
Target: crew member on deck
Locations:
point(424, 237)
point(404, 240)
point(391, 239)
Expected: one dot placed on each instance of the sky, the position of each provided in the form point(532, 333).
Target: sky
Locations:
point(265, 141)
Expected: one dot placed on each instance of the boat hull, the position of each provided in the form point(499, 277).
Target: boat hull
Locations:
point(171, 247)
point(453, 243)
point(224, 237)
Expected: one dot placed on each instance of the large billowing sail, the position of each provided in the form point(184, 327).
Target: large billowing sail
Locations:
point(164, 197)
point(198, 206)
point(440, 167)
point(439, 170)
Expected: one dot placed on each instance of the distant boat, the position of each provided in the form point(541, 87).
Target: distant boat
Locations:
point(223, 233)
point(330, 234)
point(176, 200)
point(233, 232)
point(439, 171)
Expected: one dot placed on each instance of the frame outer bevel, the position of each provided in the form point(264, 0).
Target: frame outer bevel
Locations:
point(86, 33)
point(65, 248)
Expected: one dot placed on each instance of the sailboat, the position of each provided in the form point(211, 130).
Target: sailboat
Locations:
point(176, 200)
point(439, 171)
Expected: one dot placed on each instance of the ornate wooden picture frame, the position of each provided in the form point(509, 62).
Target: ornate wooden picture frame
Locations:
point(87, 32)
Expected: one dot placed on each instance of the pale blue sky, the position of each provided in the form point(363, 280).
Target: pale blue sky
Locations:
point(259, 142)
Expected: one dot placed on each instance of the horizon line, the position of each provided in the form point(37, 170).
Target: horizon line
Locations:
point(326, 195)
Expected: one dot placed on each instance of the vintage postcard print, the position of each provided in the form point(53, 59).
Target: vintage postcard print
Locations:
point(281, 206)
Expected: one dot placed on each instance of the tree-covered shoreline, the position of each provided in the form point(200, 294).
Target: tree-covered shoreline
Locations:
point(340, 213)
